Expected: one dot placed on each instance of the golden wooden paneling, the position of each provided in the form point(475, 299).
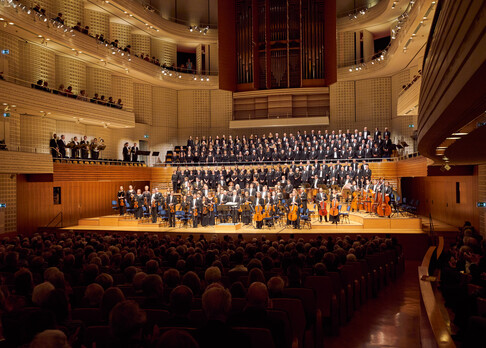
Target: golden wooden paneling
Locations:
point(98, 172)
point(413, 167)
point(12, 162)
point(36, 208)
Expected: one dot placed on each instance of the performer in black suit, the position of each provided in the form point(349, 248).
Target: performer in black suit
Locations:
point(85, 148)
point(138, 203)
point(126, 152)
point(134, 152)
point(54, 146)
point(294, 200)
point(154, 205)
point(171, 204)
point(61, 144)
point(259, 201)
point(196, 208)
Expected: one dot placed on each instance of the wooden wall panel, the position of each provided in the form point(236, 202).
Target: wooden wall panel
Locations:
point(12, 162)
point(35, 204)
point(92, 172)
point(437, 195)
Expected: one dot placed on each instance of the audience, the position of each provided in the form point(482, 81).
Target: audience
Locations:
point(48, 276)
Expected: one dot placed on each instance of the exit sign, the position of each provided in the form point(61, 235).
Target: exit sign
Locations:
point(481, 204)
point(146, 136)
point(411, 126)
point(6, 114)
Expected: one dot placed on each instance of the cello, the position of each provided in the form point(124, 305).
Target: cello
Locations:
point(383, 208)
point(334, 211)
point(292, 216)
point(322, 208)
point(258, 216)
point(354, 202)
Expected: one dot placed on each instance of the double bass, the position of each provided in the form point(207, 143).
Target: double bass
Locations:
point(383, 208)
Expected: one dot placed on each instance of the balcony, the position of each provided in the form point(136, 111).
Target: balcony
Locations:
point(21, 98)
point(142, 17)
point(410, 39)
point(39, 30)
point(408, 99)
point(14, 162)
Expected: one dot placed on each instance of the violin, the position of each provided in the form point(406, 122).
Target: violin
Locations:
point(135, 204)
point(172, 208)
point(292, 216)
point(122, 202)
point(194, 213)
point(153, 203)
point(258, 216)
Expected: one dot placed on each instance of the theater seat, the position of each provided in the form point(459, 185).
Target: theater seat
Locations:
point(89, 316)
point(284, 318)
point(157, 317)
point(296, 313)
point(260, 338)
point(97, 336)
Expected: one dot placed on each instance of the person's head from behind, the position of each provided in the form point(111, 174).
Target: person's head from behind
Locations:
point(50, 339)
point(192, 281)
point(57, 302)
point(256, 275)
point(41, 293)
point(212, 275)
point(105, 280)
point(176, 339)
point(93, 295)
point(111, 297)
point(23, 282)
point(216, 303)
point(55, 277)
point(275, 286)
point(152, 286)
point(180, 302)
point(171, 278)
point(126, 321)
point(257, 295)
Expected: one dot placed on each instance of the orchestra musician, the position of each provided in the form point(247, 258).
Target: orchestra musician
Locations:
point(130, 195)
point(74, 150)
point(235, 200)
point(294, 200)
point(321, 197)
point(121, 200)
point(171, 203)
point(154, 205)
point(195, 209)
point(95, 152)
point(146, 196)
point(259, 201)
point(335, 198)
point(138, 203)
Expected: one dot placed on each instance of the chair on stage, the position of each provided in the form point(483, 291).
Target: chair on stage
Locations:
point(305, 219)
point(114, 205)
point(146, 212)
point(130, 210)
point(163, 215)
point(181, 217)
point(344, 215)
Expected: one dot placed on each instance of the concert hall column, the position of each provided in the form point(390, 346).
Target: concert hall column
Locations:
point(227, 45)
point(330, 49)
point(268, 37)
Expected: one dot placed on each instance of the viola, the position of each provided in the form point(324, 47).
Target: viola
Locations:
point(172, 208)
point(122, 202)
point(194, 213)
point(135, 204)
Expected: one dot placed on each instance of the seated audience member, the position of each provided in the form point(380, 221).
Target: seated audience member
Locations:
point(138, 279)
point(192, 281)
point(255, 314)
point(238, 290)
point(50, 339)
point(69, 90)
point(38, 84)
point(61, 90)
point(59, 18)
point(93, 296)
point(105, 280)
point(176, 339)
point(86, 30)
point(82, 95)
point(216, 333)
point(45, 87)
point(180, 304)
point(95, 98)
point(275, 287)
point(212, 275)
point(153, 291)
point(126, 324)
point(119, 104)
point(78, 27)
point(102, 100)
point(111, 297)
point(41, 293)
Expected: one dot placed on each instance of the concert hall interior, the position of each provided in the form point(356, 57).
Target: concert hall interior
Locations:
point(242, 173)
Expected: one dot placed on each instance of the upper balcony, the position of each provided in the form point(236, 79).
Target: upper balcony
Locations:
point(409, 37)
point(145, 17)
point(26, 24)
point(19, 96)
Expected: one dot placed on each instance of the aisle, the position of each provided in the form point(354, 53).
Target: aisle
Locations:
point(390, 320)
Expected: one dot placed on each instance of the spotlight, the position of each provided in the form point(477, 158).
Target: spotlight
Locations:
point(350, 69)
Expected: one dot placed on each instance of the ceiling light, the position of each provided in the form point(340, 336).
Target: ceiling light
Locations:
point(459, 134)
point(11, 23)
point(453, 138)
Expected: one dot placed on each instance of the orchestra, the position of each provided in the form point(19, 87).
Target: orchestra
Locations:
point(260, 196)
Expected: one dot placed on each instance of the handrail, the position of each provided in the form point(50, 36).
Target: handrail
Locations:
point(54, 218)
point(289, 162)
point(32, 84)
point(433, 327)
point(49, 19)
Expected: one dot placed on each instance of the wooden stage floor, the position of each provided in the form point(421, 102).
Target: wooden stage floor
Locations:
point(358, 223)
